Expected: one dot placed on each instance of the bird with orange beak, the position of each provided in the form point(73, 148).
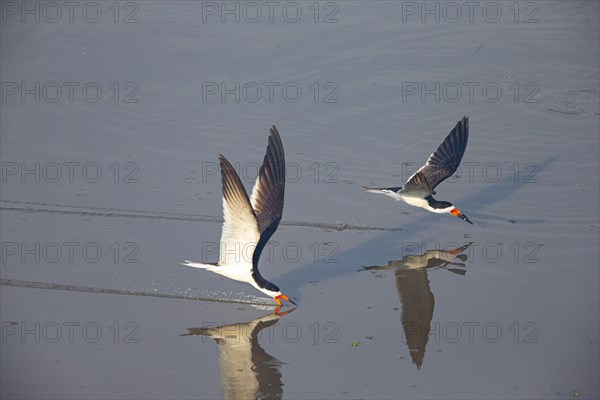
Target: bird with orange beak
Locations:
point(442, 163)
point(250, 222)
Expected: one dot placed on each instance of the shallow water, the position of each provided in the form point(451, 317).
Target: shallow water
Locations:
point(95, 303)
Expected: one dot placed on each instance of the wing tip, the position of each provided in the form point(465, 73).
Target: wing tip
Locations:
point(226, 167)
point(274, 134)
point(464, 124)
point(274, 159)
point(275, 140)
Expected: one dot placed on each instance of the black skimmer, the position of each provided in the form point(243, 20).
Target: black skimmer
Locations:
point(441, 164)
point(247, 370)
point(249, 223)
point(415, 293)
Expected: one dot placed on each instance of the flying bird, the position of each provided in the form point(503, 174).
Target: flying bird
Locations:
point(442, 163)
point(249, 223)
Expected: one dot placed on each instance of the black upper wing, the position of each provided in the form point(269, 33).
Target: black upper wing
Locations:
point(443, 162)
point(267, 195)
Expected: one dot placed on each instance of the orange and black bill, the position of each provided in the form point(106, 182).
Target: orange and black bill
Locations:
point(283, 297)
point(456, 212)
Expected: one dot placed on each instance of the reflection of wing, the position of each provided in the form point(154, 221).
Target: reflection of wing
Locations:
point(428, 260)
point(415, 294)
point(247, 370)
point(417, 311)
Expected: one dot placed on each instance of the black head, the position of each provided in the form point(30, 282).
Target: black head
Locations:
point(433, 203)
point(263, 283)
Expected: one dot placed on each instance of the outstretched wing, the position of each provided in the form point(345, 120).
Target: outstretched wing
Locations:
point(443, 162)
point(240, 226)
point(417, 311)
point(268, 192)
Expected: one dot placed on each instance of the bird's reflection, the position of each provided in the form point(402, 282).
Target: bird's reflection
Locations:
point(415, 294)
point(247, 370)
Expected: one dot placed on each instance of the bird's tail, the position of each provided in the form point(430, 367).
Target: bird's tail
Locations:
point(374, 190)
point(198, 265)
point(382, 190)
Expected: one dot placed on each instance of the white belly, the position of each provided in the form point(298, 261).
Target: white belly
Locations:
point(414, 201)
